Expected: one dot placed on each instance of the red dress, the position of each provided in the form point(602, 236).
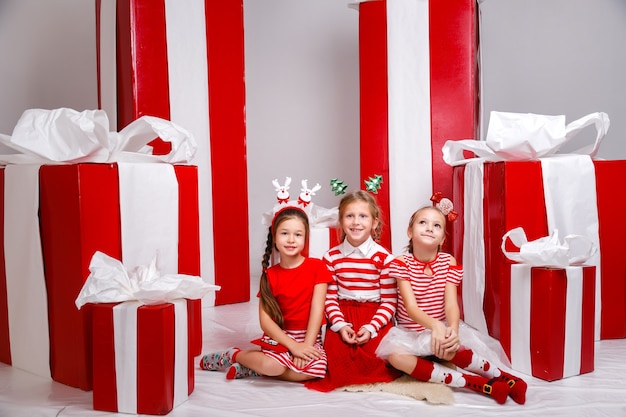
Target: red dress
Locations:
point(293, 291)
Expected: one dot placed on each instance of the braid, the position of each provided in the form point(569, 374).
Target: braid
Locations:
point(268, 302)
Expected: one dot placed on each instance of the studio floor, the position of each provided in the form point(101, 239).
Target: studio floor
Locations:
point(600, 393)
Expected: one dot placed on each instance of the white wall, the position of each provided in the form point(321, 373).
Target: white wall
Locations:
point(302, 102)
point(48, 57)
point(540, 56)
point(557, 57)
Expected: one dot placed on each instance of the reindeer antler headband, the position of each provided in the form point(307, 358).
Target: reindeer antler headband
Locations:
point(282, 195)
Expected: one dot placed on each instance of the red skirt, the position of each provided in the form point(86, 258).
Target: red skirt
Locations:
point(354, 364)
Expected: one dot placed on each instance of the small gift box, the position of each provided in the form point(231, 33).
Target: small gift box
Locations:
point(552, 320)
point(143, 363)
point(552, 305)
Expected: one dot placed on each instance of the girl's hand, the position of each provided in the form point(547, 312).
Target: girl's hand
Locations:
point(438, 338)
point(305, 352)
point(451, 345)
point(363, 336)
point(348, 335)
point(452, 341)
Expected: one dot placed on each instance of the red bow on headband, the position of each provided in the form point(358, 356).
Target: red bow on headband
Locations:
point(445, 205)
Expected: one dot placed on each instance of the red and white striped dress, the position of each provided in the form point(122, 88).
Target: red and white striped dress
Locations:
point(428, 289)
point(361, 295)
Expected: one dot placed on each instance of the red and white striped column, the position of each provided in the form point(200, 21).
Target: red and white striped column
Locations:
point(419, 82)
point(184, 61)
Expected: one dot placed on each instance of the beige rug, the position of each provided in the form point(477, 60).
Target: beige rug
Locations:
point(431, 392)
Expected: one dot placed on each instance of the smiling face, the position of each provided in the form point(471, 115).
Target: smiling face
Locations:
point(357, 222)
point(290, 237)
point(427, 229)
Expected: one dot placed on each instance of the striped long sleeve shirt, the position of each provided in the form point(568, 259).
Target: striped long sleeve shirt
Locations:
point(360, 274)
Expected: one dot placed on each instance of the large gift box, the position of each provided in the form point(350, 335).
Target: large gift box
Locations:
point(142, 361)
point(57, 216)
point(84, 209)
point(494, 197)
point(552, 321)
point(518, 179)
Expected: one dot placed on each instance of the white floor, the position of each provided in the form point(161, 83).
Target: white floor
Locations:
point(600, 393)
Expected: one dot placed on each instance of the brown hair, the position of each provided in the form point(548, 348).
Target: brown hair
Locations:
point(409, 247)
point(267, 299)
point(375, 211)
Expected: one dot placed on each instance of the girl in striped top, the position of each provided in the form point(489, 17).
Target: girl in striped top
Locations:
point(361, 300)
point(428, 318)
point(291, 310)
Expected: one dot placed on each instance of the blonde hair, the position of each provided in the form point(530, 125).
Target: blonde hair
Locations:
point(375, 211)
point(267, 299)
point(409, 247)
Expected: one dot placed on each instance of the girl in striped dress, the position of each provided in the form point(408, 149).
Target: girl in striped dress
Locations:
point(429, 328)
point(291, 310)
point(361, 301)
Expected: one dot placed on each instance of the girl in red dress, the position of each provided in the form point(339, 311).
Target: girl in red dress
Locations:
point(291, 310)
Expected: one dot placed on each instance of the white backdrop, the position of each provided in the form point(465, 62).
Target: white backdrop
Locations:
point(540, 56)
point(557, 57)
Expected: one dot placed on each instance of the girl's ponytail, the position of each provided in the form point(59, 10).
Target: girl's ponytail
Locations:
point(268, 302)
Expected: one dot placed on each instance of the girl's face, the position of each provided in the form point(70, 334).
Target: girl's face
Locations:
point(357, 222)
point(428, 229)
point(290, 238)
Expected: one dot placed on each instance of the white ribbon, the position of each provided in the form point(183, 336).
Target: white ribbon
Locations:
point(67, 136)
point(110, 282)
point(524, 136)
point(27, 302)
point(125, 342)
point(548, 251)
point(474, 247)
point(149, 215)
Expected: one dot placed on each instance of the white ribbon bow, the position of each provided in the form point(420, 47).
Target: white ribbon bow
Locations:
point(549, 251)
point(110, 282)
point(524, 136)
point(68, 136)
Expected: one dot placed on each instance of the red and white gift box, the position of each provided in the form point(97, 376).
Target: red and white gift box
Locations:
point(130, 212)
point(494, 197)
point(142, 362)
point(418, 88)
point(184, 61)
point(552, 321)
point(57, 216)
point(321, 240)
